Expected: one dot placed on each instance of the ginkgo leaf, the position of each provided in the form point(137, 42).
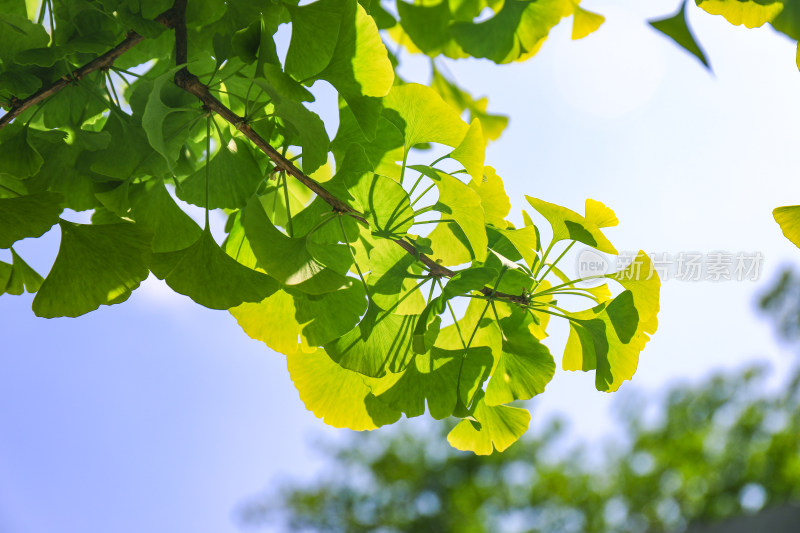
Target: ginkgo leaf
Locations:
point(599, 214)
point(750, 13)
point(305, 320)
point(471, 151)
point(432, 378)
point(423, 117)
point(490, 428)
point(525, 242)
point(166, 115)
point(450, 245)
point(288, 259)
point(428, 27)
point(339, 396)
point(461, 204)
point(309, 130)
point(5, 275)
point(210, 277)
point(233, 177)
point(18, 157)
point(525, 368)
point(642, 280)
point(96, 265)
point(515, 32)
point(789, 220)
point(258, 320)
point(21, 278)
point(381, 342)
point(676, 27)
point(359, 68)
point(494, 199)
point(315, 32)
point(28, 216)
point(153, 207)
point(585, 23)
point(569, 225)
point(382, 201)
point(389, 280)
point(609, 337)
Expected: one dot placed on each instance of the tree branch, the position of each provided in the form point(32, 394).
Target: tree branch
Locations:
point(102, 62)
point(175, 18)
point(192, 84)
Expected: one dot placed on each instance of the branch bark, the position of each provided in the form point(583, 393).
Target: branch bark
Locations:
point(102, 62)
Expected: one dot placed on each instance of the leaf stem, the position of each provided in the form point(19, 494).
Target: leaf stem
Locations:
point(551, 265)
point(288, 209)
point(475, 330)
point(353, 255)
point(566, 284)
point(423, 194)
point(208, 162)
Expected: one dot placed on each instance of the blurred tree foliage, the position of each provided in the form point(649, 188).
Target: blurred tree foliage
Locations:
point(720, 448)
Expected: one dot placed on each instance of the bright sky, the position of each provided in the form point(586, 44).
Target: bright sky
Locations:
point(160, 415)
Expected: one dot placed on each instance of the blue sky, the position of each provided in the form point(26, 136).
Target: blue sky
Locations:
point(160, 415)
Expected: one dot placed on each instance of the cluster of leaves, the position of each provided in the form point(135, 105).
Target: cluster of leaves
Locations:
point(782, 15)
point(341, 280)
point(721, 449)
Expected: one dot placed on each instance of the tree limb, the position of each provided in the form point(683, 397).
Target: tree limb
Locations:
point(102, 62)
point(175, 18)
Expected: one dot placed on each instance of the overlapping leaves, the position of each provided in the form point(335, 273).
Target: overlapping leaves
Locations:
point(358, 297)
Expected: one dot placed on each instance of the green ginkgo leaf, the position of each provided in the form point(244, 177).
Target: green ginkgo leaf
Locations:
point(382, 201)
point(5, 275)
point(390, 278)
point(461, 204)
point(258, 320)
point(21, 278)
point(569, 225)
point(427, 25)
point(153, 207)
point(18, 157)
point(676, 27)
point(210, 277)
point(525, 368)
point(339, 396)
point(609, 337)
point(788, 218)
point(423, 117)
point(306, 320)
point(471, 151)
point(490, 428)
point(308, 129)
point(96, 265)
point(359, 68)
point(233, 177)
point(28, 216)
point(494, 199)
point(432, 378)
point(381, 342)
point(167, 115)
point(289, 260)
point(750, 13)
point(515, 32)
point(523, 241)
point(315, 32)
